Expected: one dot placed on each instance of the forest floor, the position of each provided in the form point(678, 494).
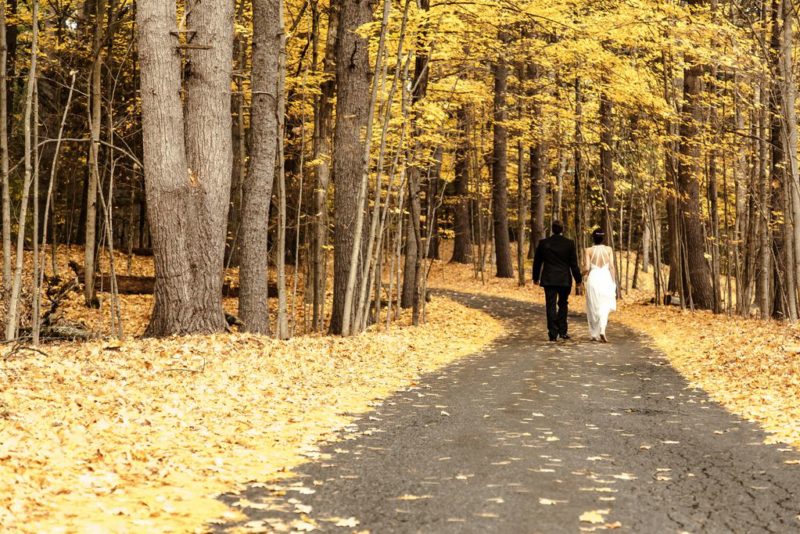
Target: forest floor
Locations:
point(142, 434)
point(145, 433)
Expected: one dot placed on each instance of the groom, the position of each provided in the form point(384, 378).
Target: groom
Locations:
point(554, 266)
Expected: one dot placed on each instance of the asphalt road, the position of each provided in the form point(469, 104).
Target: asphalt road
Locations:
point(530, 436)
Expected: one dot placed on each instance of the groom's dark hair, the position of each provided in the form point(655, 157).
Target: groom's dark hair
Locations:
point(557, 227)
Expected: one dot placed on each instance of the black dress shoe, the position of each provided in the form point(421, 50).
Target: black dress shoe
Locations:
point(552, 339)
point(564, 336)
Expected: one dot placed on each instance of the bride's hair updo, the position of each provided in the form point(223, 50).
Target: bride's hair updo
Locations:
point(598, 236)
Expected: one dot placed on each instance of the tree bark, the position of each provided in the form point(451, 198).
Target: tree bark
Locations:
point(16, 286)
point(607, 168)
point(502, 243)
point(521, 215)
point(578, 171)
point(6, 197)
point(538, 192)
point(187, 163)
point(323, 122)
point(258, 183)
point(209, 152)
point(353, 78)
point(689, 171)
point(783, 302)
point(96, 116)
point(462, 247)
point(789, 99)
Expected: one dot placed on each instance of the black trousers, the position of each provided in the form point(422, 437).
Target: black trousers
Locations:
point(557, 301)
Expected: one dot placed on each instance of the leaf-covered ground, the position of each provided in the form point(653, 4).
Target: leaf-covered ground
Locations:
point(143, 434)
point(751, 367)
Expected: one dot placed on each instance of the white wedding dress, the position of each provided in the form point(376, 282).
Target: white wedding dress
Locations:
point(601, 291)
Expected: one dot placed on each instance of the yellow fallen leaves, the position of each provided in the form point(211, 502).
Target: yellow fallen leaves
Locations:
point(549, 502)
point(594, 516)
point(141, 435)
point(747, 365)
point(597, 518)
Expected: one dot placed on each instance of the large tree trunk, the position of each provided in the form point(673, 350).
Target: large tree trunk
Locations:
point(209, 152)
point(783, 304)
point(414, 248)
point(689, 172)
point(257, 187)
point(186, 205)
point(353, 78)
point(502, 243)
point(462, 247)
point(168, 185)
point(789, 94)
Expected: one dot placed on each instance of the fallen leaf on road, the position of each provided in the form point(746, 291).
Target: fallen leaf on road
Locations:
point(349, 522)
point(408, 497)
point(549, 502)
point(594, 516)
point(304, 525)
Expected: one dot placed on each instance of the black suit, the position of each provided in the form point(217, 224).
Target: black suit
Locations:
point(554, 266)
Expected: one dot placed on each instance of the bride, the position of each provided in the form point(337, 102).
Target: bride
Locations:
point(601, 287)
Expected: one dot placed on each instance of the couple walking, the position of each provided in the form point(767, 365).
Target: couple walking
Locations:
point(555, 264)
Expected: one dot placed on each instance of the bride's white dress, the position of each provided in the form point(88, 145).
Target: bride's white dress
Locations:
point(601, 291)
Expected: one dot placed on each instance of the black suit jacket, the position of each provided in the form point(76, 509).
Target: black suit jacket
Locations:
point(556, 262)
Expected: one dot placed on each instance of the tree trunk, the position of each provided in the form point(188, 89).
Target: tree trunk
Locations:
point(414, 248)
point(645, 242)
point(538, 192)
point(689, 171)
point(6, 197)
point(607, 169)
point(783, 301)
point(412, 245)
point(502, 243)
point(323, 121)
point(96, 116)
point(765, 234)
point(462, 247)
point(16, 286)
point(175, 191)
point(521, 215)
point(353, 78)
point(578, 171)
point(209, 152)
point(258, 183)
point(789, 94)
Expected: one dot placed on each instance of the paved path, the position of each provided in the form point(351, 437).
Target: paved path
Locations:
point(528, 435)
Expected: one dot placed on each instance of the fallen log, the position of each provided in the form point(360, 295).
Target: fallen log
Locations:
point(144, 285)
point(59, 333)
